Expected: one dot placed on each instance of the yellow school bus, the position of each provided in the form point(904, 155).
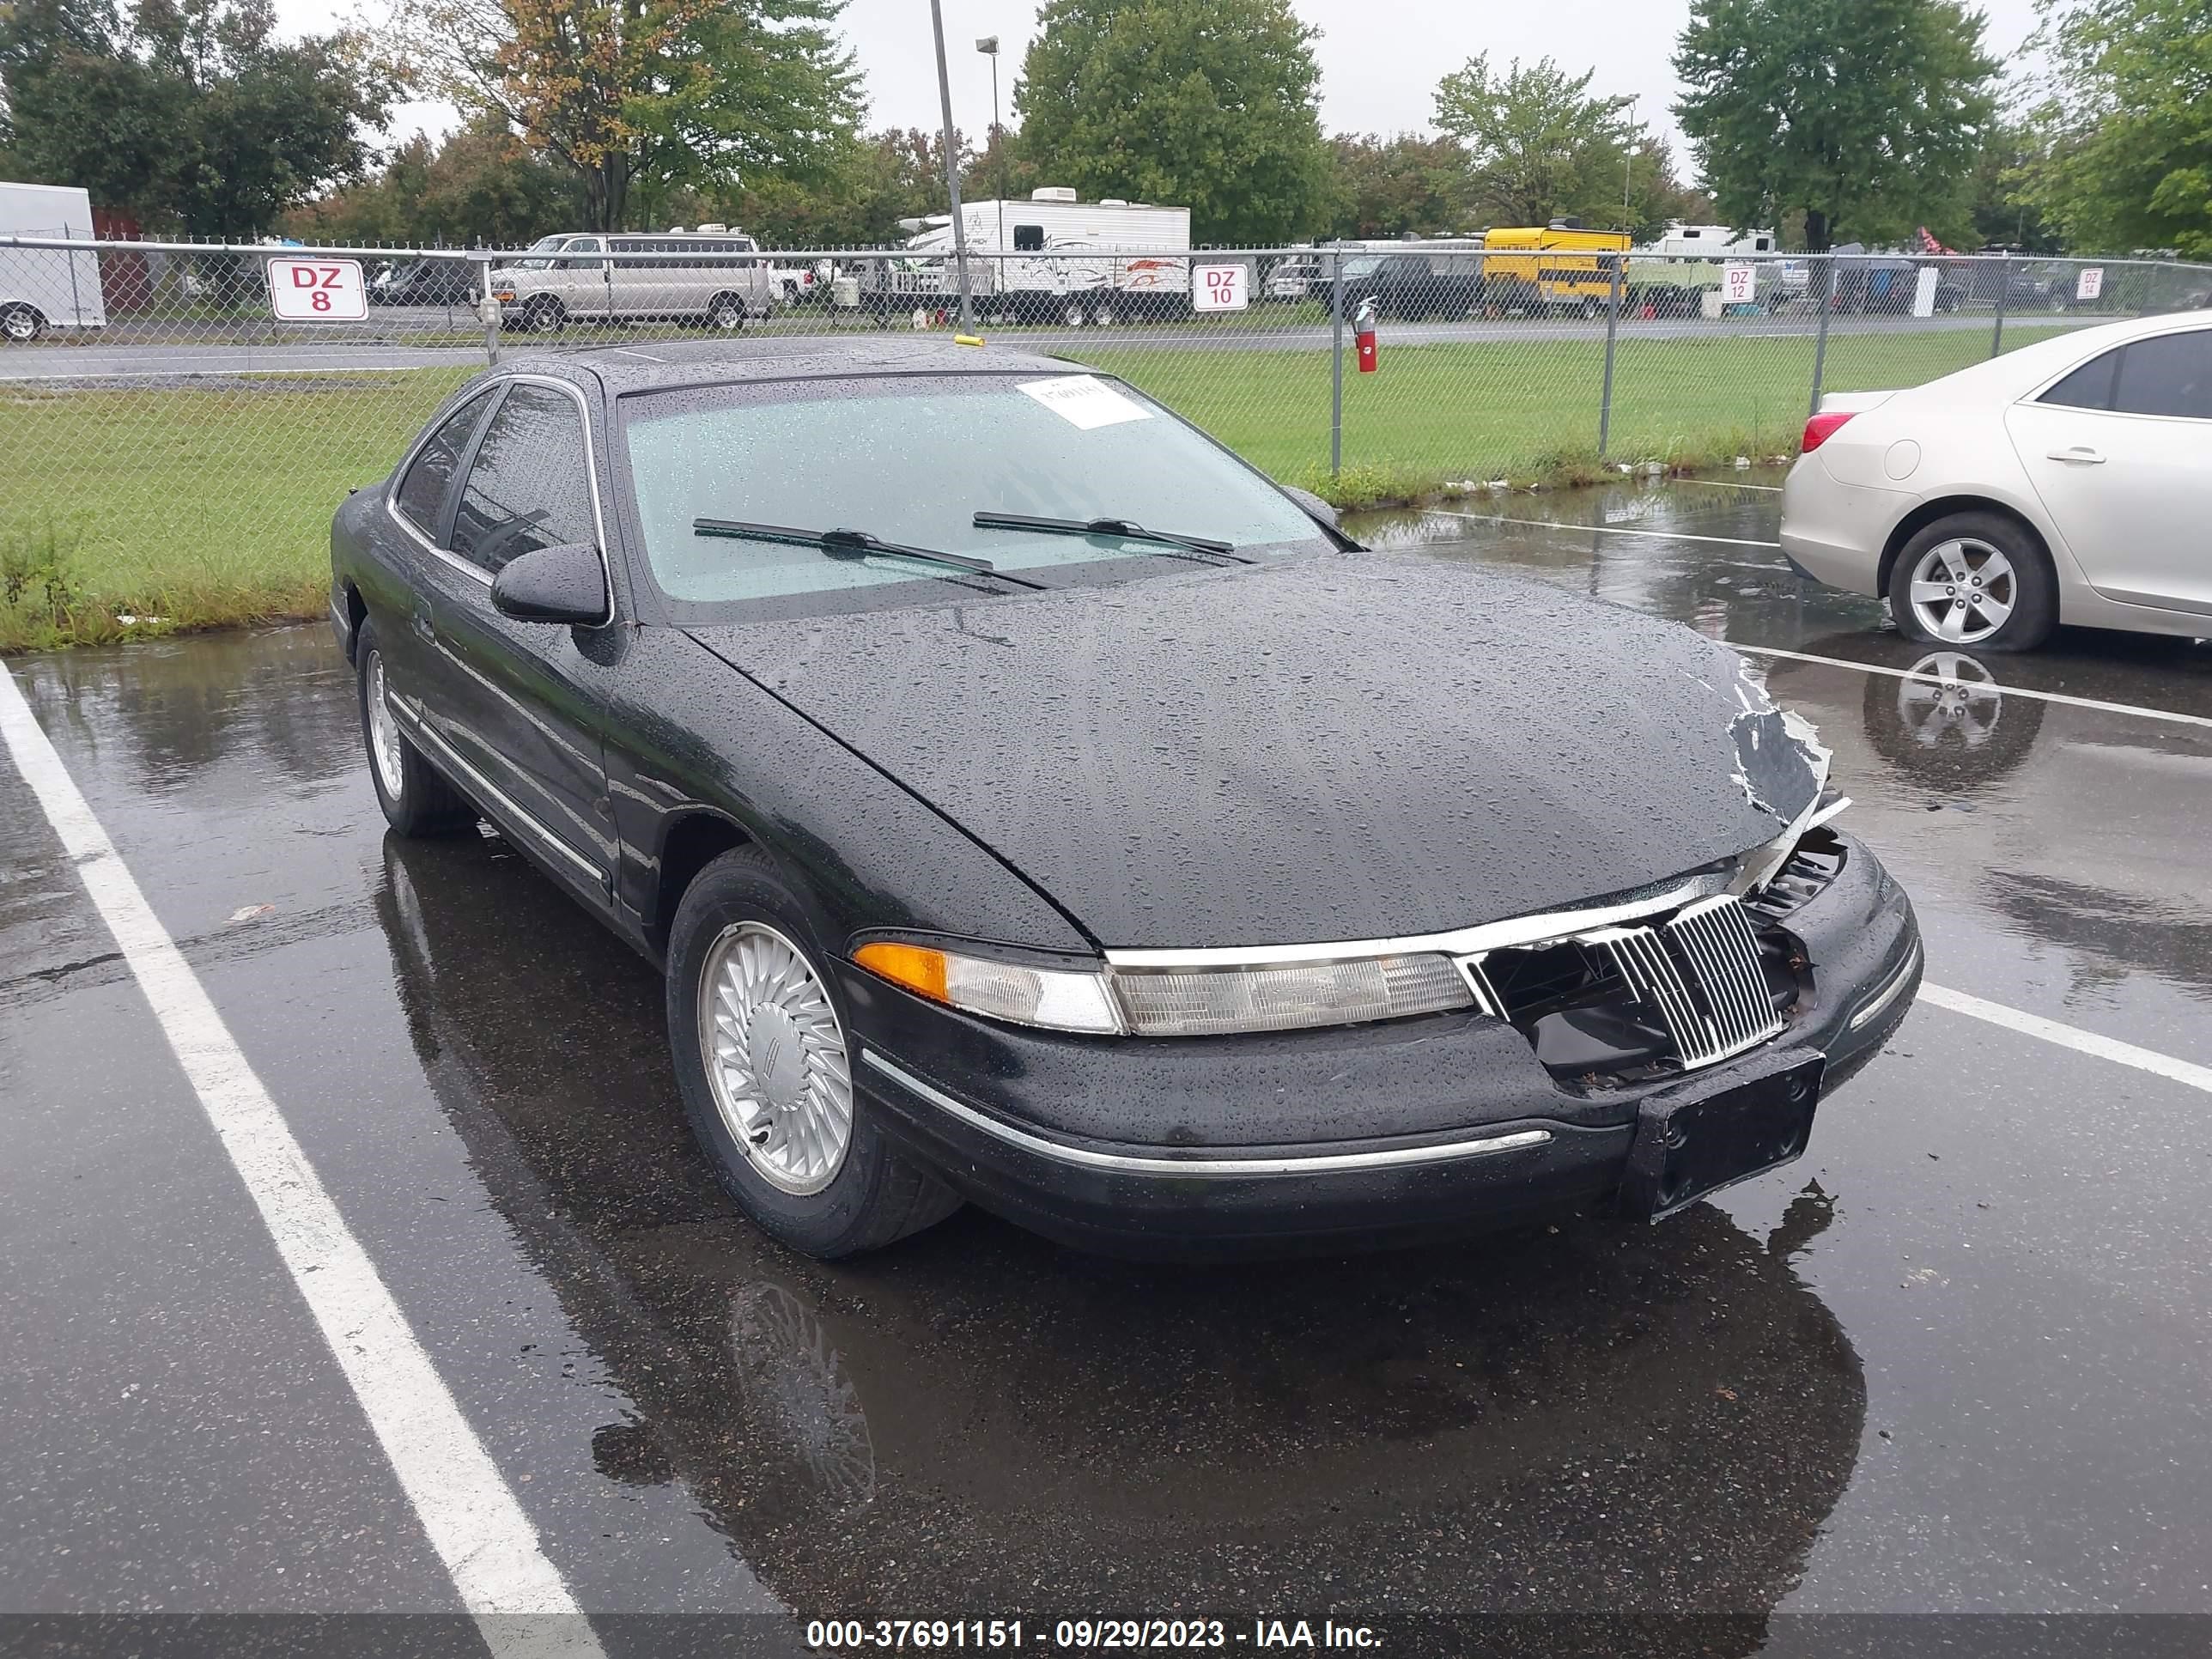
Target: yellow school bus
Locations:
point(1564, 266)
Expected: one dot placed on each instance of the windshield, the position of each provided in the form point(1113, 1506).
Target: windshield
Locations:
point(1366, 267)
point(914, 460)
point(543, 245)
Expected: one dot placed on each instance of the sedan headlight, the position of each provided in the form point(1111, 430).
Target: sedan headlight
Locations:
point(1177, 1002)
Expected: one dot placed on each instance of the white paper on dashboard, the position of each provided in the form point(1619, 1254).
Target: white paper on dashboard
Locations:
point(1084, 400)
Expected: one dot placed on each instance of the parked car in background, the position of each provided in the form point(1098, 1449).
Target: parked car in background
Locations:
point(711, 276)
point(438, 281)
point(2069, 481)
point(1296, 277)
point(1048, 809)
point(1415, 283)
point(43, 288)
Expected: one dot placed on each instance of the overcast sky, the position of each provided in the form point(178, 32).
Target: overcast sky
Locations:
point(1380, 59)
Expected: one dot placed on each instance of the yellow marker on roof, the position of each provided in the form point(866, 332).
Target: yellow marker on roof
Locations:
point(967, 339)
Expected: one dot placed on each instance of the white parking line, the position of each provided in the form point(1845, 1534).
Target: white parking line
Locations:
point(1731, 483)
point(2009, 691)
point(2070, 1036)
point(1602, 529)
point(490, 1547)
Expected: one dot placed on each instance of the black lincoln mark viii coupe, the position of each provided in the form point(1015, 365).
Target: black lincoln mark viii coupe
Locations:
point(1031, 803)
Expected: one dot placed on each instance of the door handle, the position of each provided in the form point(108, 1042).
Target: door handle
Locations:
point(425, 629)
point(2079, 455)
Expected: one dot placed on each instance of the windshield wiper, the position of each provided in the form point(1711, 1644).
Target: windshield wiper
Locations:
point(849, 544)
point(1118, 527)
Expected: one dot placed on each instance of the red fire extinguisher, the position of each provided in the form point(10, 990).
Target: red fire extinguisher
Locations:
point(1363, 330)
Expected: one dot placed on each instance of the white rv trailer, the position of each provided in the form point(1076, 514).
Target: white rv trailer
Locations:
point(1056, 259)
point(1708, 241)
point(47, 288)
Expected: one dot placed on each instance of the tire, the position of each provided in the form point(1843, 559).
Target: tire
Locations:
point(19, 324)
point(1072, 313)
point(725, 312)
point(1103, 314)
point(1591, 310)
point(786, 1168)
point(1980, 562)
point(415, 799)
point(544, 316)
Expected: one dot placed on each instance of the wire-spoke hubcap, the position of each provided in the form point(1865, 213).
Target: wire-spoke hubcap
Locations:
point(1963, 591)
point(384, 731)
point(775, 1055)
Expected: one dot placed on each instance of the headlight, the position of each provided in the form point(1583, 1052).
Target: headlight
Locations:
point(1176, 1002)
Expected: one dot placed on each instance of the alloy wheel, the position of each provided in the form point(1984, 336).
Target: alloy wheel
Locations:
point(775, 1058)
point(1963, 591)
point(384, 740)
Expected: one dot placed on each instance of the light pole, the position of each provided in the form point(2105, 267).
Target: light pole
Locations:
point(989, 45)
point(953, 167)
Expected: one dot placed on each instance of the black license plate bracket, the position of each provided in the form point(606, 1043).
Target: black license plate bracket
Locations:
point(1704, 1134)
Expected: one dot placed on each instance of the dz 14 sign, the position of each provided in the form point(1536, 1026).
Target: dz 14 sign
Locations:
point(1220, 288)
point(317, 290)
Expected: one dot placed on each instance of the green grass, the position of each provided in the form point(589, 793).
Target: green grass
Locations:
point(129, 513)
point(1527, 410)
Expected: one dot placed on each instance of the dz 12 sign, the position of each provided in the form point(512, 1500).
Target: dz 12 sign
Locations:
point(1221, 288)
point(1739, 284)
point(317, 290)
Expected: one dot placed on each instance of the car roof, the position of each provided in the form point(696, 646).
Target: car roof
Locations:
point(660, 365)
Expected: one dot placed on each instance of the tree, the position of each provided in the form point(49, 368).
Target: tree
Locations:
point(2129, 125)
point(1405, 186)
point(646, 100)
point(2005, 211)
point(1866, 115)
point(187, 112)
point(1539, 145)
point(1207, 104)
point(482, 186)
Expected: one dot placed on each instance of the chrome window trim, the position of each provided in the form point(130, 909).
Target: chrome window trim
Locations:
point(1126, 1163)
point(1460, 942)
point(499, 386)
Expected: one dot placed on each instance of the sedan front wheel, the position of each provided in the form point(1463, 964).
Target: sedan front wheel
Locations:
point(1978, 580)
point(765, 1068)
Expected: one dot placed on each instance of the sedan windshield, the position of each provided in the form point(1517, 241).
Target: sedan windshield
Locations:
point(914, 460)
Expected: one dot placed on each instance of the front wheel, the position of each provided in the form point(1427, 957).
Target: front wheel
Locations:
point(1977, 580)
point(727, 312)
point(20, 323)
point(765, 1068)
point(544, 317)
point(416, 800)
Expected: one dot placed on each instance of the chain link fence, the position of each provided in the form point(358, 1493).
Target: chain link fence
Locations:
point(171, 447)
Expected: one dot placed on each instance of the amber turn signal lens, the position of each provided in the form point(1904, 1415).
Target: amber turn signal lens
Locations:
point(913, 966)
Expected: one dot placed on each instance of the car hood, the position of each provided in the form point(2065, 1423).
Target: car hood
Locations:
point(1340, 747)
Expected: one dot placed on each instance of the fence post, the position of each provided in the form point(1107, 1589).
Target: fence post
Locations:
point(2004, 292)
point(1827, 287)
point(1336, 365)
point(1612, 328)
point(488, 309)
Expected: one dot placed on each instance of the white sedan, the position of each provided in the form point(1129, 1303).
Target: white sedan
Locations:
point(2069, 481)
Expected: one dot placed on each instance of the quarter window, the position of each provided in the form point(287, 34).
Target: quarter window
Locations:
point(2171, 375)
point(2089, 386)
point(528, 486)
point(421, 498)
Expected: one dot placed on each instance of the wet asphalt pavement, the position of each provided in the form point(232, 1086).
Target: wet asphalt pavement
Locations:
point(1955, 1360)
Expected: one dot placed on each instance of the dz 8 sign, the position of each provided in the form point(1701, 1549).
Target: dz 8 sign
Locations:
point(317, 290)
point(1220, 288)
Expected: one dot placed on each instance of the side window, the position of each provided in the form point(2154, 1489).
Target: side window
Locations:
point(2171, 375)
point(529, 486)
point(421, 497)
point(2089, 386)
point(1028, 239)
point(581, 244)
point(1760, 245)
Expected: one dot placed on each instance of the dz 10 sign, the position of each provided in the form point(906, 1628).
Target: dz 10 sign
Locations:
point(1220, 288)
point(317, 290)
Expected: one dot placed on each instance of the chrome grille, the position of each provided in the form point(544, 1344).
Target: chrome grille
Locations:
point(1700, 969)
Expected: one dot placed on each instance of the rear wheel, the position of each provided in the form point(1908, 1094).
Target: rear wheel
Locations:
point(1105, 313)
point(416, 800)
point(1977, 580)
point(758, 1037)
point(727, 312)
point(20, 323)
point(1072, 314)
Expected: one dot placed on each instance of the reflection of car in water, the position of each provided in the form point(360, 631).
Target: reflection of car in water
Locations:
point(1599, 1420)
point(1952, 716)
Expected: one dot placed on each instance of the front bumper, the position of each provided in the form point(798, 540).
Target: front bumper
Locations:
point(1371, 1134)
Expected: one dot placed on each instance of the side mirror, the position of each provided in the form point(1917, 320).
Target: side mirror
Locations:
point(564, 583)
point(1317, 509)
